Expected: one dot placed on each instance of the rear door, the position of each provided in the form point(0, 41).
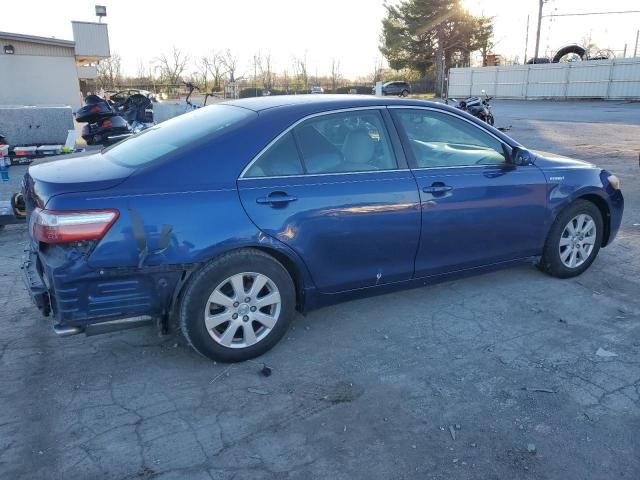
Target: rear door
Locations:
point(477, 208)
point(334, 190)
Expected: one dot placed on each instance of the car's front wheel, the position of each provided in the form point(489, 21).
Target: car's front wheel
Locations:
point(238, 306)
point(573, 241)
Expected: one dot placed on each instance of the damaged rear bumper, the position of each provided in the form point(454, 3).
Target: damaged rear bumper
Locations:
point(85, 300)
point(33, 282)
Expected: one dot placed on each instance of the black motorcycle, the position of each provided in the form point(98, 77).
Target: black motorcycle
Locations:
point(108, 123)
point(476, 106)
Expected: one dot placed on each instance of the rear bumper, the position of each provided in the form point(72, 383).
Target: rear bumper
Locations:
point(82, 299)
point(34, 283)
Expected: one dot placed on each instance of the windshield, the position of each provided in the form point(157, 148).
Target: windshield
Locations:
point(166, 137)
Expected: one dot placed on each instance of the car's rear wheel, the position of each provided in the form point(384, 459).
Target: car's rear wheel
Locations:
point(405, 93)
point(238, 306)
point(573, 241)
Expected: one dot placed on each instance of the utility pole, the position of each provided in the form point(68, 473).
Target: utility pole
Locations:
point(635, 50)
point(255, 74)
point(535, 55)
point(526, 41)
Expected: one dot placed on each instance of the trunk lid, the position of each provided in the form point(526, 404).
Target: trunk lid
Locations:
point(83, 172)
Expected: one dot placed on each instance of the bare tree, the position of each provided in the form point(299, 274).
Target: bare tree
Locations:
point(266, 72)
point(300, 67)
point(142, 73)
point(230, 64)
point(109, 71)
point(216, 69)
point(172, 67)
point(335, 74)
point(377, 69)
point(284, 79)
point(202, 64)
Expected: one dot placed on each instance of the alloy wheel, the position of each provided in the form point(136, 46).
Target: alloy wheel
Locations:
point(577, 240)
point(242, 310)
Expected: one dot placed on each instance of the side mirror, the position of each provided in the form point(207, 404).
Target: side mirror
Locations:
point(521, 156)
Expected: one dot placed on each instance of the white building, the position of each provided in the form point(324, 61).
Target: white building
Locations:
point(47, 71)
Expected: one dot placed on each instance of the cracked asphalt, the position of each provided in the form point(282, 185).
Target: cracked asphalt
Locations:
point(374, 389)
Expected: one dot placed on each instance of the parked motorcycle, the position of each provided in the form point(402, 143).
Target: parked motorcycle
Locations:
point(107, 123)
point(477, 106)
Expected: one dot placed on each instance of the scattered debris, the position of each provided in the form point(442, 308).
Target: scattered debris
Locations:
point(537, 310)
point(601, 352)
point(474, 445)
point(414, 446)
point(257, 391)
point(457, 426)
point(531, 447)
point(536, 389)
point(307, 328)
point(224, 373)
point(452, 432)
point(266, 371)
point(455, 460)
point(386, 337)
point(562, 320)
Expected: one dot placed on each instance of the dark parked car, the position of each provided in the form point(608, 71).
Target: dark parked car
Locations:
point(231, 218)
point(399, 89)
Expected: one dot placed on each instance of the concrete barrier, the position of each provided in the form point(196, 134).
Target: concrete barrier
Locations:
point(35, 125)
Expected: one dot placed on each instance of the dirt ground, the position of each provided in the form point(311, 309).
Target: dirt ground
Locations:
point(491, 377)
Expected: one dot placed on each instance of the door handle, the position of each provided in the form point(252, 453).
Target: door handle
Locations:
point(276, 198)
point(437, 188)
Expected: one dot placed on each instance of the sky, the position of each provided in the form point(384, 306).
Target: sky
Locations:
point(348, 30)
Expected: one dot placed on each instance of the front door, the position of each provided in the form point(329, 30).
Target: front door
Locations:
point(332, 190)
point(477, 208)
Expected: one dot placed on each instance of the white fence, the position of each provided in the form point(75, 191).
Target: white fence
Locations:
point(608, 79)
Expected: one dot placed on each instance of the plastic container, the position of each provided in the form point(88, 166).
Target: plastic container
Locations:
point(4, 162)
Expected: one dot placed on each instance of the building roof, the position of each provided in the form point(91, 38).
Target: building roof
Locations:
point(19, 37)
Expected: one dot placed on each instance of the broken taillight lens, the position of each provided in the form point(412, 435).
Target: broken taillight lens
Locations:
point(51, 226)
point(107, 124)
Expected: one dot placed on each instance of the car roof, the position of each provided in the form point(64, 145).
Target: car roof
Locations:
point(304, 103)
point(308, 104)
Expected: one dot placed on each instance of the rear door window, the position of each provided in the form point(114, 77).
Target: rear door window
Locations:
point(354, 141)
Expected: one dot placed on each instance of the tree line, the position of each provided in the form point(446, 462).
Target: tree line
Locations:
point(211, 72)
point(419, 39)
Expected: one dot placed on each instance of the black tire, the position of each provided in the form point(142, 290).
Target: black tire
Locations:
point(203, 283)
point(551, 261)
point(405, 93)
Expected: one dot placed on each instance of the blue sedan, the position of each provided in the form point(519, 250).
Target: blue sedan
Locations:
point(227, 220)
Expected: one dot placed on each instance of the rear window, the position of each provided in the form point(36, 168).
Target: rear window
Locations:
point(166, 137)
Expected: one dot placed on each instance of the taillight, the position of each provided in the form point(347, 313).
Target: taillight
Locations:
point(51, 226)
point(95, 109)
point(107, 123)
